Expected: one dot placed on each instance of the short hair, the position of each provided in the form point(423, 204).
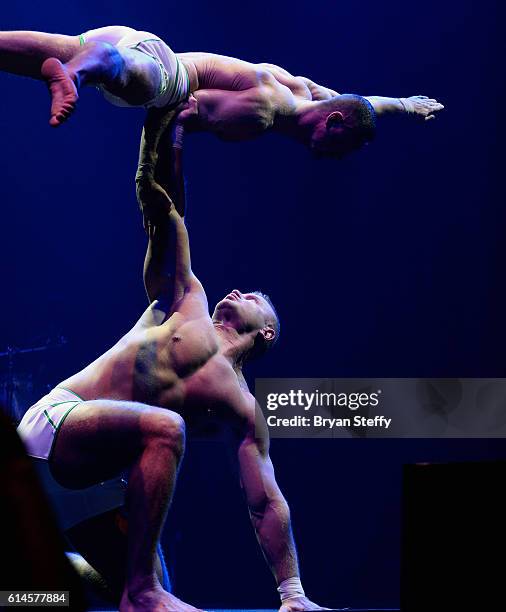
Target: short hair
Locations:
point(261, 345)
point(362, 114)
point(277, 325)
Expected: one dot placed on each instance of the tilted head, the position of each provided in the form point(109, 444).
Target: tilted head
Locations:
point(345, 124)
point(251, 314)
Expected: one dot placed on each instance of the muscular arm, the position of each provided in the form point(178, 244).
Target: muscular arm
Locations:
point(169, 169)
point(167, 266)
point(232, 115)
point(155, 126)
point(420, 106)
point(417, 106)
point(268, 509)
point(236, 100)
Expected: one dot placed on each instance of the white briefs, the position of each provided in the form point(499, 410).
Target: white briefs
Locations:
point(38, 430)
point(174, 82)
point(42, 421)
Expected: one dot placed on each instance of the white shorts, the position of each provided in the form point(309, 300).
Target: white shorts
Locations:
point(38, 430)
point(174, 80)
point(42, 421)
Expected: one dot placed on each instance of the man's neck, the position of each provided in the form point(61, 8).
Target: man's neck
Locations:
point(299, 122)
point(233, 346)
point(232, 350)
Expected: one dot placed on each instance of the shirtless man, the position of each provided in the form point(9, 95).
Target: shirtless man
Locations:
point(237, 100)
point(128, 409)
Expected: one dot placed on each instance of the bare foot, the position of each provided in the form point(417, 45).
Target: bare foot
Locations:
point(62, 88)
point(421, 107)
point(154, 599)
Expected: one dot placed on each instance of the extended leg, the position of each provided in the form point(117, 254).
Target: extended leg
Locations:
point(128, 74)
point(42, 56)
point(24, 52)
point(66, 65)
point(98, 440)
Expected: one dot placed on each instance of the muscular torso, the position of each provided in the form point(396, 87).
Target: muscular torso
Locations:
point(176, 365)
point(238, 99)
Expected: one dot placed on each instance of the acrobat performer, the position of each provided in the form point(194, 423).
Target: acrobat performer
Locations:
point(236, 99)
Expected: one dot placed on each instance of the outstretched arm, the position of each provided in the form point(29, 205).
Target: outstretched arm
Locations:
point(420, 107)
point(270, 514)
point(416, 106)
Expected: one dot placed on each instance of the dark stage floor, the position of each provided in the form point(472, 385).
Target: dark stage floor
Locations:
point(275, 610)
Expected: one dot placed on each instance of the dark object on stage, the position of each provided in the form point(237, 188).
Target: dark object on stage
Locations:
point(453, 537)
point(32, 547)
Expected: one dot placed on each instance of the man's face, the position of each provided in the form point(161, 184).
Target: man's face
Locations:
point(244, 312)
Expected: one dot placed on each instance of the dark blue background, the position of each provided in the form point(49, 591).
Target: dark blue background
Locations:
point(389, 263)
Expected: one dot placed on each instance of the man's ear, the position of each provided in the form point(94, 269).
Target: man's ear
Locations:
point(335, 119)
point(268, 333)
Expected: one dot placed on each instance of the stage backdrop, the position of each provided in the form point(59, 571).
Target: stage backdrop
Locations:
point(388, 263)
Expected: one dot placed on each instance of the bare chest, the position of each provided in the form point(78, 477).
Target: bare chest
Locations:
point(166, 356)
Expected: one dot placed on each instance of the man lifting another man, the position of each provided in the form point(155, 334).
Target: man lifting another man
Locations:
point(127, 410)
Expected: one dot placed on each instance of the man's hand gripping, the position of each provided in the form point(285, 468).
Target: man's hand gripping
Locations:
point(154, 202)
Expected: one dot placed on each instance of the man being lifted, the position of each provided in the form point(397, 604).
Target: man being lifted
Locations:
point(236, 99)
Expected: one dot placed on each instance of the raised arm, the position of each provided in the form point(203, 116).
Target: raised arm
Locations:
point(160, 171)
point(167, 267)
point(155, 126)
point(169, 169)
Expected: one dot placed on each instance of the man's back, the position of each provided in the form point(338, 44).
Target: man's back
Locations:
point(238, 99)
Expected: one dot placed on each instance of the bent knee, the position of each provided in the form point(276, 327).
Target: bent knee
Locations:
point(166, 428)
point(109, 34)
point(121, 32)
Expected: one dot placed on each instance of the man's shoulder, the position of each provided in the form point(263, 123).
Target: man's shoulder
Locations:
point(219, 376)
point(240, 397)
point(194, 290)
point(191, 303)
point(190, 306)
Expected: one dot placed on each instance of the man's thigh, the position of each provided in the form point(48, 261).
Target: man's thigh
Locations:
point(108, 34)
point(23, 52)
point(101, 438)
